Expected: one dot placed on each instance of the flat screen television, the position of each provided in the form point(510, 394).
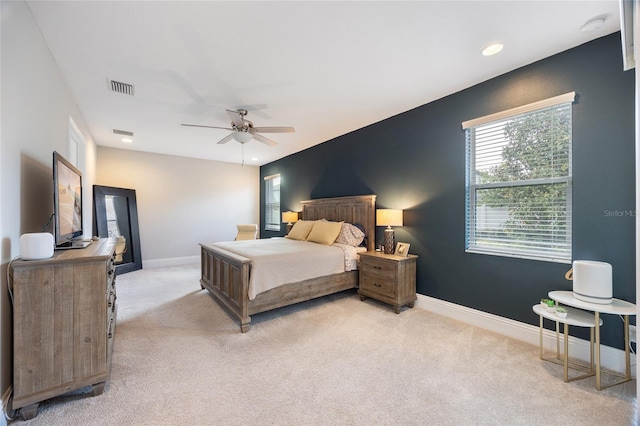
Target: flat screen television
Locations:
point(67, 204)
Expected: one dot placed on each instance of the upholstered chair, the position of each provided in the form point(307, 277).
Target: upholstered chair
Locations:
point(247, 232)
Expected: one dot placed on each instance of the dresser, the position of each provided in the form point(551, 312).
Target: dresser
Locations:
point(388, 278)
point(64, 314)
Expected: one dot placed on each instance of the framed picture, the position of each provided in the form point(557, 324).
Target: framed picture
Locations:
point(402, 249)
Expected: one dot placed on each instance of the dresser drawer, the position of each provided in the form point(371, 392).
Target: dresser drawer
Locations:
point(379, 267)
point(379, 285)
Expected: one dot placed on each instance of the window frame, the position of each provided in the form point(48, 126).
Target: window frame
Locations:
point(472, 187)
point(272, 207)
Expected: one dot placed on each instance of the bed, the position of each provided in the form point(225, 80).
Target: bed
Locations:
point(226, 275)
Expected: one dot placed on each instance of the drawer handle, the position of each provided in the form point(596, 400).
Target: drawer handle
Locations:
point(377, 285)
point(377, 267)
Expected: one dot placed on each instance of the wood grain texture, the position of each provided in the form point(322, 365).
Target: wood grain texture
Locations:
point(388, 278)
point(226, 275)
point(62, 323)
point(358, 209)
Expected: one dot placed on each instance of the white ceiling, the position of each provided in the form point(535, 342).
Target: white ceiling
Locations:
point(325, 68)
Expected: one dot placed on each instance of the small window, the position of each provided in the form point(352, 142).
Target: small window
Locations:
point(272, 203)
point(518, 193)
point(76, 145)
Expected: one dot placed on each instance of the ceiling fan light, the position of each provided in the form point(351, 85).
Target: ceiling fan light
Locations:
point(242, 137)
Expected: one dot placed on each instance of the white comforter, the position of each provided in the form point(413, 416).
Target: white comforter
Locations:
point(277, 261)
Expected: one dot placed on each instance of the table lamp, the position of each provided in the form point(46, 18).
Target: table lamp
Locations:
point(389, 218)
point(290, 218)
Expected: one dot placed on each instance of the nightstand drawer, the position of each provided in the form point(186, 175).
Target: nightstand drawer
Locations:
point(379, 267)
point(379, 285)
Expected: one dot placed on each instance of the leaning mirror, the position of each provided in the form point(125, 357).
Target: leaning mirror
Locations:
point(116, 216)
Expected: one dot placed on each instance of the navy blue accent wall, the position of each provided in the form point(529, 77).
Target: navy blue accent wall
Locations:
point(416, 161)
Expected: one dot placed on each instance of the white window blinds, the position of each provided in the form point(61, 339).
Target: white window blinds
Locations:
point(272, 203)
point(518, 195)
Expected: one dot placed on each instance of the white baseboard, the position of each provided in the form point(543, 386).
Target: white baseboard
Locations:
point(611, 358)
point(174, 261)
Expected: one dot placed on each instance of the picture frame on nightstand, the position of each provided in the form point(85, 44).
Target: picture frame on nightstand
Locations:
point(402, 249)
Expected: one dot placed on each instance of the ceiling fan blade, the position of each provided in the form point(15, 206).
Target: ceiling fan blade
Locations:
point(236, 118)
point(264, 140)
point(208, 127)
point(226, 139)
point(274, 129)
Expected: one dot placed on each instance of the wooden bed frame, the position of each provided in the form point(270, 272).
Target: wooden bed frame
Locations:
point(226, 275)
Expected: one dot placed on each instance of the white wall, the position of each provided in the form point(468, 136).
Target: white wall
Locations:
point(35, 108)
point(210, 197)
point(182, 201)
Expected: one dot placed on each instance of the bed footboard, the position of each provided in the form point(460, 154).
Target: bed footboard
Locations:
point(226, 276)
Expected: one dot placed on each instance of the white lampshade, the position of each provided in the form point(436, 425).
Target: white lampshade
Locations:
point(388, 217)
point(289, 217)
point(242, 137)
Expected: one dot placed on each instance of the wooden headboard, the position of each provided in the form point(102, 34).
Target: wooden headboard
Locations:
point(357, 209)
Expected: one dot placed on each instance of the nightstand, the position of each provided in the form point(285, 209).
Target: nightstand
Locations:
point(388, 278)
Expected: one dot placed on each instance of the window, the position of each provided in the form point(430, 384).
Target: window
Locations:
point(518, 194)
point(272, 203)
point(76, 144)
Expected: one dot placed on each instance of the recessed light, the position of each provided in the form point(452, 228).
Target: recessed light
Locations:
point(254, 159)
point(592, 25)
point(492, 49)
point(127, 140)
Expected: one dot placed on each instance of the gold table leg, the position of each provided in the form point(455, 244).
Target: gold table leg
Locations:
point(627, 375)
point(557, 340)
point(597, 316)
point(626, 347)
point(541, 342)
point(566, 351)
point(591, 351)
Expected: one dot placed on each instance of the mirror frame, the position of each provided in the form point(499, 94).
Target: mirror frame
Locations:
point(100, 222)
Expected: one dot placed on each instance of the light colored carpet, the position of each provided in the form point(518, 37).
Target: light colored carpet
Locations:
point(180, 359)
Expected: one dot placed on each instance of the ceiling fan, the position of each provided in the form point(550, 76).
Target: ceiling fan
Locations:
point(243, 130)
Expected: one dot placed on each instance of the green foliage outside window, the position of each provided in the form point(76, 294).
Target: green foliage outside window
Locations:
point(521, 183)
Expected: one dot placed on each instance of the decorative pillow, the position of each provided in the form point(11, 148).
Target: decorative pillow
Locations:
point(324, 232)
point(300, 230)
point(350, 235)
point(364, 242)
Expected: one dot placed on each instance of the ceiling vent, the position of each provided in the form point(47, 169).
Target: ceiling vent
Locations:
point(122, 132)
point(120, 87)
